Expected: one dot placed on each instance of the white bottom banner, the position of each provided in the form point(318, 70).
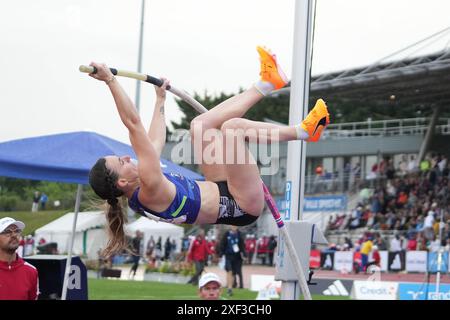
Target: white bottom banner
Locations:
point(374, 290)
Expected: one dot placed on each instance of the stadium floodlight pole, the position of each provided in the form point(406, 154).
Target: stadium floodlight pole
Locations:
point(298, 108)
point(139, 65)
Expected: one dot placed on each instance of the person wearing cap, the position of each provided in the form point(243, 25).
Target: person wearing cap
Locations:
point(209, 286)
point(18, 279)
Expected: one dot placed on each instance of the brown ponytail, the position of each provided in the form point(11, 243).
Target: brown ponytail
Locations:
point(116, 220)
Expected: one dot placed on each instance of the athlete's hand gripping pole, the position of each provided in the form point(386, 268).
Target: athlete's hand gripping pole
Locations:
point(155, 81)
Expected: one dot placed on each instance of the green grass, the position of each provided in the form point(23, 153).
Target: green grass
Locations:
point(34, 220)
point(104, 289)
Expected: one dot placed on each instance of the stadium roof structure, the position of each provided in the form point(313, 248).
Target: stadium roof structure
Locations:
point(419, 81)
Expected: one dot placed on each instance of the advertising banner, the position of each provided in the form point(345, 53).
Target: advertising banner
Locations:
point(423, 291)
point(325, 203)
point(416, 261)
point(314, 259)
point(343, 261)
point(331, 287)
point(433, 262)
point(374, 290)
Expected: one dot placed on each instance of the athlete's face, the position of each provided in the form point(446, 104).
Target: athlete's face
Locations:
point(123, 167)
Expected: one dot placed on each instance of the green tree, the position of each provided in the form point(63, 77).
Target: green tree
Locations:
point(274, 108)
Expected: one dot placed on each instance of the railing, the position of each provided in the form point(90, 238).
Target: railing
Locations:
point(315, 184)
point(397, 127)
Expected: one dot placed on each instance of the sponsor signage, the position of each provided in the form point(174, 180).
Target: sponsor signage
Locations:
point(384, 259)
point(374, 290)
point(423, 291)
point(326, 203)
point(434, 262)
point(416, 261)
point(331, 287)
point(287, 198)
point(343, 261)
point(314, 259)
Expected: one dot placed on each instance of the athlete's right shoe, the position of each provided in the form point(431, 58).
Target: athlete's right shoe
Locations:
point(270, 70)
point(316, 121)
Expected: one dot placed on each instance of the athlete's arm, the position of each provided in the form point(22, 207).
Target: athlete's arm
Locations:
point(149, 168)
point(157, 130)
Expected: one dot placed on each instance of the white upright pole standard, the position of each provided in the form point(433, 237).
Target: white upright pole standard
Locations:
point(69, 253)
point(298, 108)
point(139, 66)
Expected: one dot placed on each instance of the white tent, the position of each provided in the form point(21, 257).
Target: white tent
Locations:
point(90, 234)
point(156, 229)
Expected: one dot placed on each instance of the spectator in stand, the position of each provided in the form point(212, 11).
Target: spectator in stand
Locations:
point(250, 247)
point(356, 216)
point(395, 245)
point(390, 170)
point(318, 179)
point(402, 199)
point(412, 164)
point(442, 164)
point(425, 165)
point(262, 247)
point(403, 166)
point(412, 242)
point(348, 242)
point(271, 248)
point(428, 229)
point(198, 254)
point(379, 242)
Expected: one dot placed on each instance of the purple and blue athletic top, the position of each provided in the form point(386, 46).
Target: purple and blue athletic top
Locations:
point(184, 207)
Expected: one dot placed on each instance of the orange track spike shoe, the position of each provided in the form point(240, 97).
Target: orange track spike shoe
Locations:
point(270, 70)
point(316, 121)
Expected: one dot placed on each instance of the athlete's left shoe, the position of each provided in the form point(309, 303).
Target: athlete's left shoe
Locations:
point(270, 70)
point(316, 121)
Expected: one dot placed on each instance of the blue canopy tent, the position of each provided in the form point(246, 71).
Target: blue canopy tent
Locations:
point(66, 157)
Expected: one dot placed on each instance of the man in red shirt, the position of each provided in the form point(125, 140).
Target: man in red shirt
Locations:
point(198, 253)
point(18, 279)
